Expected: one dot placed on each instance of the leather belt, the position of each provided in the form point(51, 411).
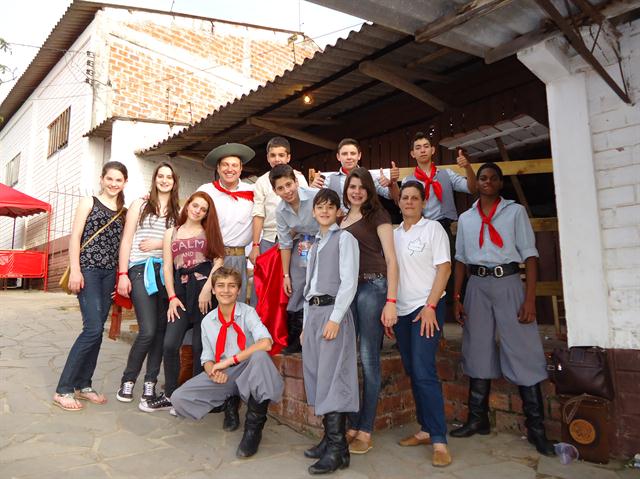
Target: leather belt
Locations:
point(322, 300)
point(370, 276)
point(234, 251)
point(496, 271)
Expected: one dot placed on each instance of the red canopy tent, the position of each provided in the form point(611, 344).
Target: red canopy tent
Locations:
point(20, 263)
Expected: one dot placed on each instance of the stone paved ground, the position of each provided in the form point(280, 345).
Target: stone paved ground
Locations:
point(118, 441)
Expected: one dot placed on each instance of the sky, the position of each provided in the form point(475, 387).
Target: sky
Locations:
point(19, 26)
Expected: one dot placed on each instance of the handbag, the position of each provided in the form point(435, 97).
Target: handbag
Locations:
point(64, 279)
point(581, 370)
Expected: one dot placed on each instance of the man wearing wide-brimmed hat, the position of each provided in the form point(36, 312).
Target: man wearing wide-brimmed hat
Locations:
point(234, 203)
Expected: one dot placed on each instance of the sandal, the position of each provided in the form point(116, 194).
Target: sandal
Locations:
point(63, 401)
point(91, 395)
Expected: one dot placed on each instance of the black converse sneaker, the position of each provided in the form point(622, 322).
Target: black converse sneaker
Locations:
point(158, 403)
point(125, 393)
point(149, 391)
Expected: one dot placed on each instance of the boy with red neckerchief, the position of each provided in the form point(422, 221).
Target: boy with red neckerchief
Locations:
point(493, 238)
point(235, 360)
point(439, 185)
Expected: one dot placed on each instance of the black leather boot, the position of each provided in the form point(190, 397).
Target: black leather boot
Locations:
point(336, 455)
point(319, 449)
point(533, 408)
point(478, 419)
point(253, 424)
point(294, 327)
point(231, 416)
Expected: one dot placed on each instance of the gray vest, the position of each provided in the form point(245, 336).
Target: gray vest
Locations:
point(328, 281)
point(334, 184)
point(448, 205)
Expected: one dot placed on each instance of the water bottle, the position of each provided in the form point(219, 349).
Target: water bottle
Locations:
point(303, 249)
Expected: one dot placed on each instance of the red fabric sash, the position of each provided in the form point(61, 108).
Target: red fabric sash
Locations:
point(429, 181)
point(272, 300)
point(247, 195)
point(222, 335)
point(486, 220)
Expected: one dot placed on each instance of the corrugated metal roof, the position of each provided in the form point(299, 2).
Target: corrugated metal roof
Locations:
point(331, 76)
point(75, 20)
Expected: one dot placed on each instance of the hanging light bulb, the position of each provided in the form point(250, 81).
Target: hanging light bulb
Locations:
point(307, 99)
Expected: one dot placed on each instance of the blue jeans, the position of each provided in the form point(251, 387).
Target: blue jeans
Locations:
point(418, 355)
point(367, 306)
point(151, 314)
point(95, 301)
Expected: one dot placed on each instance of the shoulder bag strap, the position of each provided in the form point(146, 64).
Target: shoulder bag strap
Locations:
point(94, 235)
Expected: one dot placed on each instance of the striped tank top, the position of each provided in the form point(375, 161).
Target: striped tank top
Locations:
point(153, 227)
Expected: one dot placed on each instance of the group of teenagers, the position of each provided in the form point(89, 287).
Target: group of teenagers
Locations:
point(350, 279)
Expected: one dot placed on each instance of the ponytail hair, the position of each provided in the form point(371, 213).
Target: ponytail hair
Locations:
point(116, 165)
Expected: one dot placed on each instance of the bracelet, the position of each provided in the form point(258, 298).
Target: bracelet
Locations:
point(431, 306)
point(256, 245)
point(286, 275)
point(235, 359)
point(457, 296)
point(392, 300)
point(123, 273)
point(171, 298)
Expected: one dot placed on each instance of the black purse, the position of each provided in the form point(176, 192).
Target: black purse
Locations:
point(581, 370)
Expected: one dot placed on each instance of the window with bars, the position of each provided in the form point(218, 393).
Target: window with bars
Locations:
point(12, 172)
point(59, 132)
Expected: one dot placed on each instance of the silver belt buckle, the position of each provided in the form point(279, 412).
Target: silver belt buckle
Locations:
point(482, 271)
point(315, 301)
point(498, 272)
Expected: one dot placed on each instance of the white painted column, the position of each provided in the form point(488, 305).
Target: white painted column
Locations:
point(583, 272)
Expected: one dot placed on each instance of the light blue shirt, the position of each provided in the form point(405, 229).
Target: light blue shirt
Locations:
point(248, 320)
point(348, 270)
point(511, 221)
point(302, 222)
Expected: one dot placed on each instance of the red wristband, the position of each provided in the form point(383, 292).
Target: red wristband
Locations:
point(256, 245)
point(123, 273)
point(235, 359)
point(432, 306)
point(171, 298)
point(392, 300)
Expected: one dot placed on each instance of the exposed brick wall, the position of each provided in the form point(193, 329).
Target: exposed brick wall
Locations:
point(396, 405)
point(182, 72)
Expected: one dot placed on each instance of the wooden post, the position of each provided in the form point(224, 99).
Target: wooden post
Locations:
point(514, 178)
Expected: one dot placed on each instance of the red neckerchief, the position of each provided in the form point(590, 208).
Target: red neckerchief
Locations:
point(247, 195)
point(486, 220)
point(429, 181)
point(344, 171)
point(222, 335)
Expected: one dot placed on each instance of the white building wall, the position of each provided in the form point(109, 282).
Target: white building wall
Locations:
point(595, 139)
point(61, 178)
point(14, 140)
point(615, 133)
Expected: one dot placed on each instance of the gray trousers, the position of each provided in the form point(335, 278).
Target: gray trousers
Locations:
point(257, 377)
point(494, 343)
point(298, 273)
point(264, 246)
point(329, 367)
point(239, 263)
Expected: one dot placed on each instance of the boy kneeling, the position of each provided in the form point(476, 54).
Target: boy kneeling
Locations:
point(235, 361)
point(329, 336)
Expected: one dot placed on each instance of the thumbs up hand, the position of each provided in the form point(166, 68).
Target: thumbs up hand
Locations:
point(383, 180)
point(394, 172)
point(462, 159)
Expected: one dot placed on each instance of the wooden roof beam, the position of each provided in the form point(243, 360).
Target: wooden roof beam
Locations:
point(291, 132)
point(578, 44)
point(391, 78)
point(411, 74)
point(430, 57)
point(456, 17)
